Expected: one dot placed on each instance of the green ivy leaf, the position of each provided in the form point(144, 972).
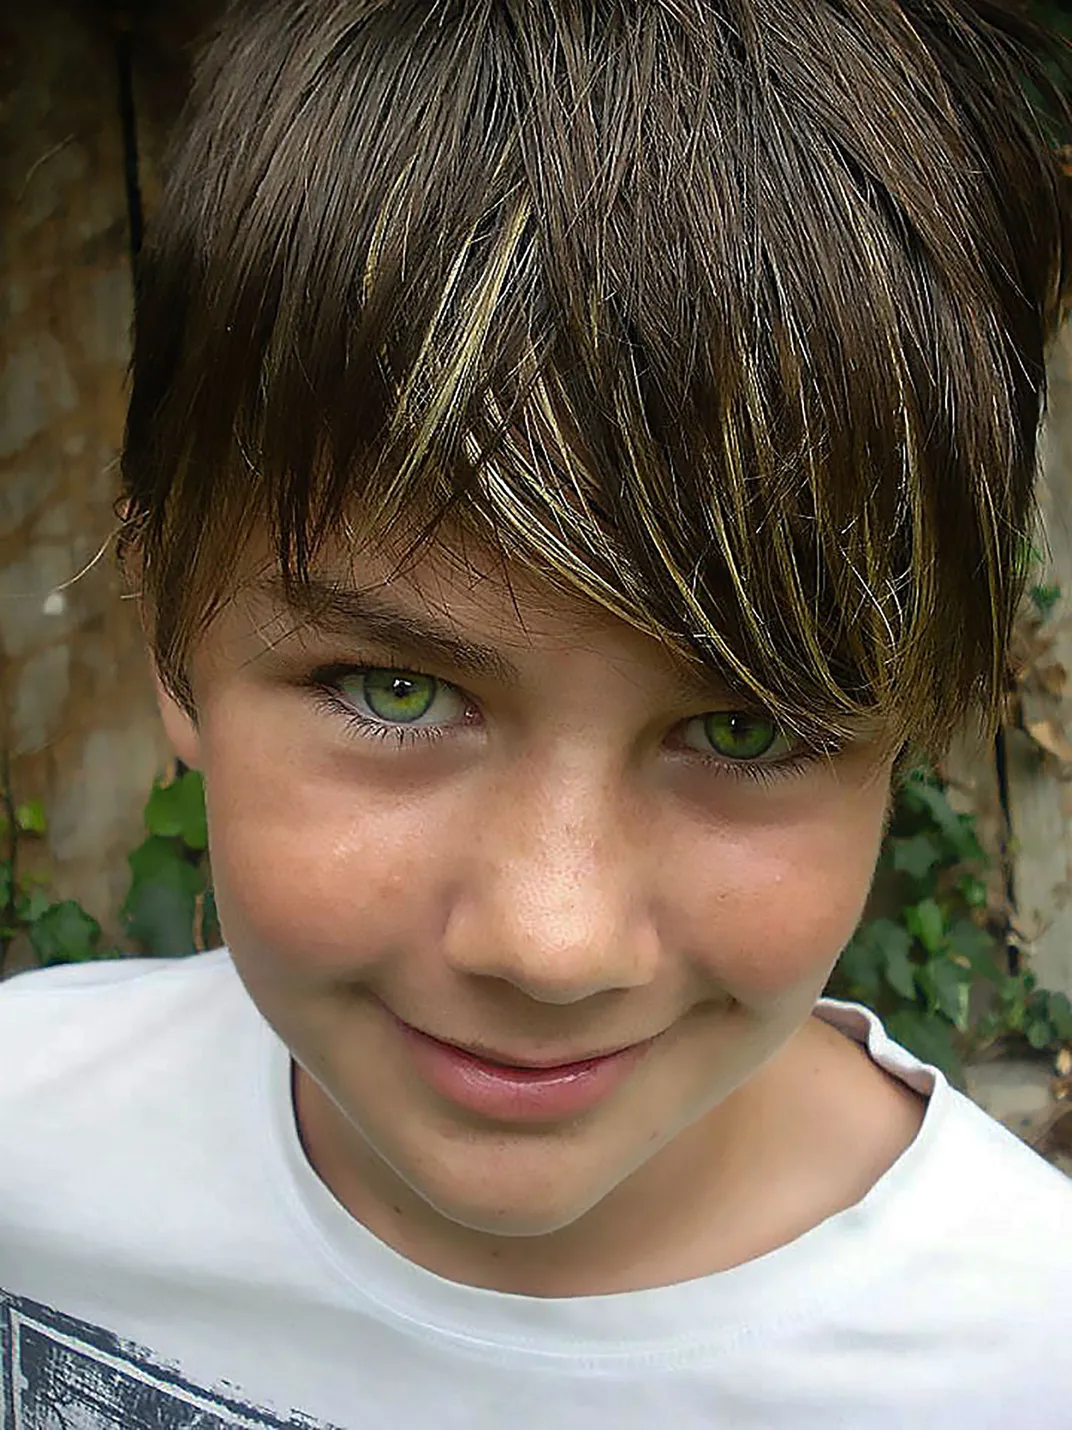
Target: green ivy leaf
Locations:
point(888, 933)
point(1044, 598)
point(163, 816)
point(65, 933)
point(976, 947)
point(159, 908)
point(158, 856)
point(31, 904)
point(1040, 1033)
point(972, 891)
point(159, 911)
point(929, 1038)
point(30, 817)
point(915, 855)
point(858, 975)
point(1059, 1012)
point(927, 922)
point(861, 965)
point(898, 967)
point(1013, 997)
point(958, 830)
point(160, 919)
point(177, 811)
point(194, 819)
point(946, 990)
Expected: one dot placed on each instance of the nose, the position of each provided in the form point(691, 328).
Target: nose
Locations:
point(554, 897)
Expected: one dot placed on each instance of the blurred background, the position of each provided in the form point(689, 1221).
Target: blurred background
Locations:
point(968, 948)
point(89, 93)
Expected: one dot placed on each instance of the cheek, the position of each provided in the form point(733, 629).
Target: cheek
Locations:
point(773, 906)
point(315, 874)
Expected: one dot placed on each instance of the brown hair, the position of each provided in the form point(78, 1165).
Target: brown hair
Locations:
point(726, 314)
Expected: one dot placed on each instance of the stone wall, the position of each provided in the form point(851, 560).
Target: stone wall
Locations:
point(1040, 753)
point(77, 711)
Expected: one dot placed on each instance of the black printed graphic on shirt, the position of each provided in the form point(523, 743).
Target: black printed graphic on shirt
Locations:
point(57, 1373)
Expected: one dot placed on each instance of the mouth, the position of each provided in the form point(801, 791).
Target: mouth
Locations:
point(518, 1087)
point(524, 1063)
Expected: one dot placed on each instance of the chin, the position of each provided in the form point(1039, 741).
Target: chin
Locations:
point(508, 1219)
point(526, 1204)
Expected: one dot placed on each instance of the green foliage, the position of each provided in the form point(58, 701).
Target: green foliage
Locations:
point(1044, 598)
point(168, 910)
point(58, 931)
point(65, 933)
point(177, 811)
point(30, 818)
point(935, 968)
point(169, 881)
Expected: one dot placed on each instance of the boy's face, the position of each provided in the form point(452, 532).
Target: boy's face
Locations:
point(535, 844)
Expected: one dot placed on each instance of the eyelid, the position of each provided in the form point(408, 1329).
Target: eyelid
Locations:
point(341, 672)
point(333, 671)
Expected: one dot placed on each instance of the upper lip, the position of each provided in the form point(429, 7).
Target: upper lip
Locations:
point(522, 1060)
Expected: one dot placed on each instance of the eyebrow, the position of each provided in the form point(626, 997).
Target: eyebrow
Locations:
point(350, 613)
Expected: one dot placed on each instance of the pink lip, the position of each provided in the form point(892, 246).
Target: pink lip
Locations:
point(515, 1093)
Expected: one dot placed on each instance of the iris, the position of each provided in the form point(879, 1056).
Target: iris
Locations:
point(740, 734)
point(397, 697)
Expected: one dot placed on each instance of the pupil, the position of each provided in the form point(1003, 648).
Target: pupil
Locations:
point(741, 735)
point(399, 697)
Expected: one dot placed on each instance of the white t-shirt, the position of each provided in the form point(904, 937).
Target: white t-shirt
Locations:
point(168, 1258)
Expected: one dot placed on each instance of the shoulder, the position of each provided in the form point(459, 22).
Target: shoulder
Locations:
point(74, 989)
point(973, 1224)
point(970, 1261)
point(999, 1191)
point(62, 980)
point(131, 1113)
point(69, 1022)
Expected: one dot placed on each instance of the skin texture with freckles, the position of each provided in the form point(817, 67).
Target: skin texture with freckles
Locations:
point(561, 872)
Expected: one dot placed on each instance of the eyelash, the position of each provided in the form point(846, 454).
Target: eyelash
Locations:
point(326, 698)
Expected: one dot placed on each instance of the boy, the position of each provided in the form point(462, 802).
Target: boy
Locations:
point(575, 447)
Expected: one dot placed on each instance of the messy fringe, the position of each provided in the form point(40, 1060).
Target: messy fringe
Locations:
point(726, 315)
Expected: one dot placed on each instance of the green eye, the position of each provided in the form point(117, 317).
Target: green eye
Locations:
point(740, 734)
point(397, 697)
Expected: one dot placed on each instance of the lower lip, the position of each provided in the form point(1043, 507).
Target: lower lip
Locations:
point(517, 1094)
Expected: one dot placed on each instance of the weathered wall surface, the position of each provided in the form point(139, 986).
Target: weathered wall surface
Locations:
point(1040, 781)
point(77, 712)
